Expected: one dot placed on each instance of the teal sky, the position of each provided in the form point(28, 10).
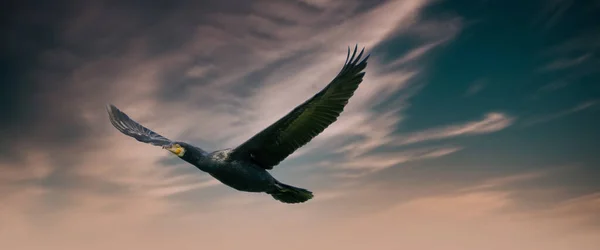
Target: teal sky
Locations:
point(536, 63)
point(476, 124)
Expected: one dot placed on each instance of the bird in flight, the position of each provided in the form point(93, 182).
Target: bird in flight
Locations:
point(244, 168)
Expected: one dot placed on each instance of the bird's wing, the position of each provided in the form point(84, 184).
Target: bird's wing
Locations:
point(131, 128)
point(272, 145)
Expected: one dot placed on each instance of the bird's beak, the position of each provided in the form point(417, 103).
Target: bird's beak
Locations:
point(175, 149)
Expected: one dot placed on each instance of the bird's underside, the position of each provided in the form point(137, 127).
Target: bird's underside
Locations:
point(269, 147)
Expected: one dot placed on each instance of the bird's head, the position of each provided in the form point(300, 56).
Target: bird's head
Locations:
point(176, 149)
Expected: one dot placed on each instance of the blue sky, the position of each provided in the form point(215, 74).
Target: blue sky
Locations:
point(475, 124)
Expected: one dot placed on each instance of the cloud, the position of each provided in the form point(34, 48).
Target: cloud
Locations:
point(415, 54)
point(503, 182)
point(566, 63)
point(476, 87)
point(556, 85)
point(577, 211)
point(451, 219)
point(549, 117)
point(170, 190)
point(552, 12)
point(492, 122)
point(198, 71)
point(214, 76)
point(378, 161)
point(232, 73)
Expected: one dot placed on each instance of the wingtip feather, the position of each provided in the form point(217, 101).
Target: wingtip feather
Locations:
point(111, 109)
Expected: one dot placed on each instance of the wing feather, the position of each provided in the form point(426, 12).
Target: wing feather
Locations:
point(272, 145)
point(129, 127)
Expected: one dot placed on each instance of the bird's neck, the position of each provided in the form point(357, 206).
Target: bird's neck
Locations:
point(199, 160)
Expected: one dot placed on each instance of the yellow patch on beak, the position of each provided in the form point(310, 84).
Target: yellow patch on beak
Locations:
point(176, 149)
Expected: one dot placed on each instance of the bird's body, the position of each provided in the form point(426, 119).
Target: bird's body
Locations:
point(244, 168)
point(240, 175)
point(244, 177)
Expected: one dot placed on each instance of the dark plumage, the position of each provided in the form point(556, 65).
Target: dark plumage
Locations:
point(245, 167)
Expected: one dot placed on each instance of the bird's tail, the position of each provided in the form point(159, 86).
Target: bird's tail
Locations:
point(289, 194)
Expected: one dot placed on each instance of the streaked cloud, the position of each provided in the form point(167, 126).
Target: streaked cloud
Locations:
point(239, 107)
point(380, 161)
point(492, 122)
point(566, 63)
point(215, 73)
point(504, 181)
point(552, 12)
point(549, 117)
point(475, 87)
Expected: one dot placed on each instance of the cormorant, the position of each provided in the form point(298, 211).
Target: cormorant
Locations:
point(245, 167)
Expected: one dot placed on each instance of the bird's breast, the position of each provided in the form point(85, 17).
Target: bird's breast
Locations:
point(244, 177)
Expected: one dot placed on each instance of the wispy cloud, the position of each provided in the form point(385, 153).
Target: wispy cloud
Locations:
point(416, 53)
point(215, 73)
point(552, 12)
point(232, 77)
point(549, 117)
point(566, 63)
point(380, 161)
point(171, 190)
point(492, 122)
point(503, 182)
point(475, 87)
point(553, 86)
point(357, 152)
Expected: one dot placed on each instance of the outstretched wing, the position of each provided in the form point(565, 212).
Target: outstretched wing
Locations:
point(131, 128)
point(272, 145)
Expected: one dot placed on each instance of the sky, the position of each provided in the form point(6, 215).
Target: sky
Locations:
point(473, 128)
